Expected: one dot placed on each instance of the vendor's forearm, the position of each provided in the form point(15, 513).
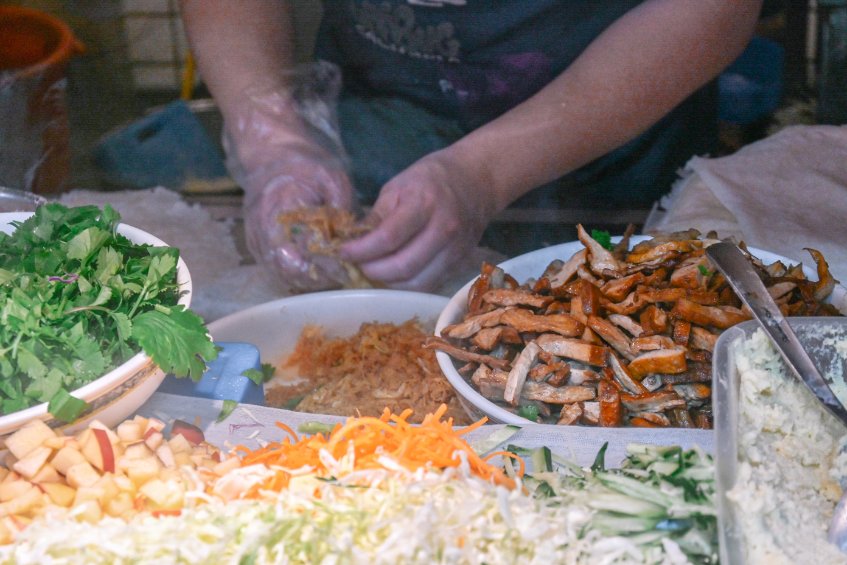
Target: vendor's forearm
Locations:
point(239, 44)
point(629, 77)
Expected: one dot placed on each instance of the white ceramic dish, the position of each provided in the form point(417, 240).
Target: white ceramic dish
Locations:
point(532, 265)
point(117, 394)
point(274, 327)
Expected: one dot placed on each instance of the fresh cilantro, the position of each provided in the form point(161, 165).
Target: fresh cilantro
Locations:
point(260, 376)
point(227, 408)
point(77, 299)
point(528, 411)
point(704, 270)
point(602, 237)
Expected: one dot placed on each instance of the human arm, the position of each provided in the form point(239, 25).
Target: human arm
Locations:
point(245, 53)
point(630, 76)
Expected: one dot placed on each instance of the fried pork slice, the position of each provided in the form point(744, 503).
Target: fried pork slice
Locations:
point(617, 289)
point(472, 325)
point(826, 282)
point(652, 401)
point(781, 289)
point(655, 418)
point(492, 385)
point(573, 349)
point(612, 335)
point(580, 376)
point(600, 259)
point(625, 322)
point(652, 343)
point(433, 342)
point(525, 321)
point(623, 377)
point(701, 338)
point(693, 272)
point(665, 361)
point(659, 250)
point(628, 306)
point(568, 269)
point(515, 297)
point(517, 375)
point(570, 414)
point(695, 394)
point(489, 338)
point(609, 399)
point(654, 320)
point(721, 317)
point(591, 413)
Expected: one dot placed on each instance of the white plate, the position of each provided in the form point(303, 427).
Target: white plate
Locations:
point(274, 327)
point(117, 394)
point(532, 265)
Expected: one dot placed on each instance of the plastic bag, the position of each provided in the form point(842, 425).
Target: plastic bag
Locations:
point(284, 149)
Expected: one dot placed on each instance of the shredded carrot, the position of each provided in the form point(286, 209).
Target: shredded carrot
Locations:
point(432, 444)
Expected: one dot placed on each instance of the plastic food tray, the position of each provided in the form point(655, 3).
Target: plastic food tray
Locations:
point(813, 334)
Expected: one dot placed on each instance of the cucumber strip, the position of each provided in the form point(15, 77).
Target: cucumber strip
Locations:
point(489, 443)
point(623, 504)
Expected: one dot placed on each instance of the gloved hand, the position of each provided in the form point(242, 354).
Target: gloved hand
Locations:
point(284, 150)
point(426, 219)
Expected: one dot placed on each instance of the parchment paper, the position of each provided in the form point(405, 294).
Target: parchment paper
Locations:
point(782, 194)
point(249, 423)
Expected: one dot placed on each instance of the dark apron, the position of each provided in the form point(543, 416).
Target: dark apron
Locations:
point(420, 75)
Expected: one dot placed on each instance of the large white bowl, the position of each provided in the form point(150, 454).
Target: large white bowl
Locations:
point(532, 265)
point(120, 392)
point(274, 327)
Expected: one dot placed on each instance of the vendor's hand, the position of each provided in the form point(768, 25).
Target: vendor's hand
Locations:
point(301, 177)
point(427, 218)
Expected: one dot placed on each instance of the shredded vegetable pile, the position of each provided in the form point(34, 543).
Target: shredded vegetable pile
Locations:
point(375, 443)
point(380, 490)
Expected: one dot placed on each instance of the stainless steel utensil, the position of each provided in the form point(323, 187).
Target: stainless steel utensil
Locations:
point(743, 279)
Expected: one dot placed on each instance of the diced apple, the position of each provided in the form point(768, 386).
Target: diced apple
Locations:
point(93, 492)
point(82, 475)
point(57, 442)
point(166, 456)
point(163, 494)
point(66, 458)
point(10, 490)
point(153, 424)
point(129, 431)
point(109, 486)
point(4, 472)
point(24, 502)
point(153, 439)
point(90, 511)
point(142, 470)
point(47, 474)
point(179, 444)
point(192, 433)
point(10, 476)
point(107, 453)
point(124, 483)
point(121, 505)
point(226, 466)
point(29, 465)
point(29, 437)
point(98, 425)
point(182, 459)
point(59, 494)
point(137, 451)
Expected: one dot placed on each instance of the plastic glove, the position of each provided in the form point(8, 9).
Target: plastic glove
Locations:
point(426, 220)
point(284, 149)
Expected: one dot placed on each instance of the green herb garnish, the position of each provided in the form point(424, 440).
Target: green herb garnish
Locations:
point(602, 237)
point(262, 375)
point(227, 408)
point(528, 411)
point(77, 299)
point(704, 270)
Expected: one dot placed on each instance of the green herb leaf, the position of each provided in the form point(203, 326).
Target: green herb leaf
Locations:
point(176, 341)
point(528, 411)
point(704, 270)
point(226, 409)
point(603, 237)
point(262, 375)
point(64, 407)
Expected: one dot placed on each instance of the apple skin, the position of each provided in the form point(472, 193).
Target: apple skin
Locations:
point(105, 449)
point(192, 433)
